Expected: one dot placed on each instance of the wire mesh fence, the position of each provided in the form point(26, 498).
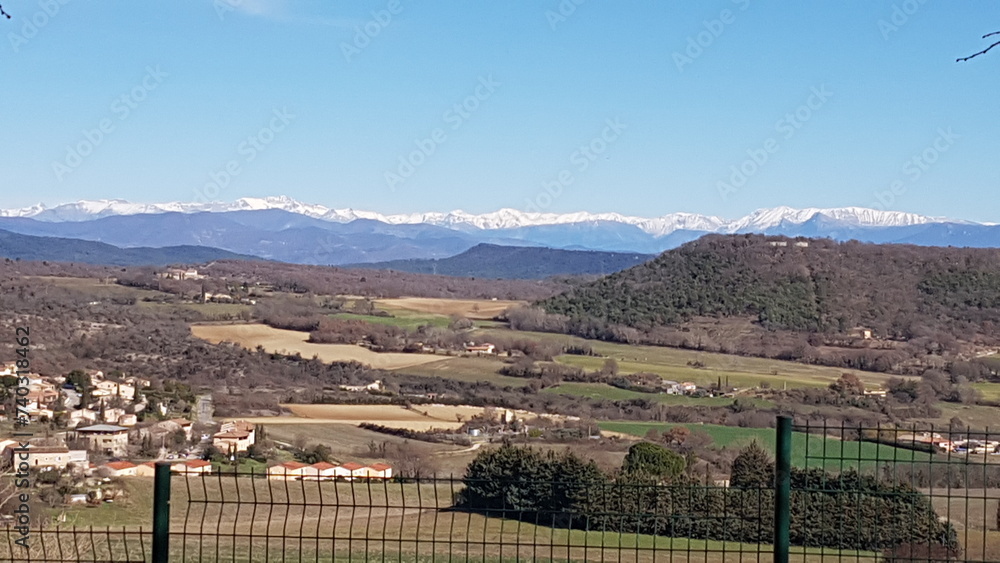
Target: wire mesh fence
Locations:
point(843, 494)
point(916, 493)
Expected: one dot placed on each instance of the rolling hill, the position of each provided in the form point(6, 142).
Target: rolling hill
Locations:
point(26, 247)
point(516, 262)
point(809, 285)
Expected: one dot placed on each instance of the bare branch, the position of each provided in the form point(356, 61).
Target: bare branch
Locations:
point(984, 51)
point(3, 13)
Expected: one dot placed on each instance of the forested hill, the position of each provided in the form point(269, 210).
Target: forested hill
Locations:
point(899, 291)
point(57, 249)
point(516, 262)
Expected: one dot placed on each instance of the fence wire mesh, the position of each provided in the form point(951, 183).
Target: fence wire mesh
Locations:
point(889, 494)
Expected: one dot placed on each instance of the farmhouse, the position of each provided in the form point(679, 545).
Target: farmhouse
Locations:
point(861, 332)
point(182, 274)
point(374, 386)
point(480, 349)
point(105, 438)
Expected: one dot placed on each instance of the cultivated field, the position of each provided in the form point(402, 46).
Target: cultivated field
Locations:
point(420, 417)
point(291, 341)
point(484, 309)
point(468, 369)
point(674, 363)
point(605, 391)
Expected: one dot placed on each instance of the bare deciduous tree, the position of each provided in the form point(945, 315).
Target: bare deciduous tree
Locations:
point(984, 51)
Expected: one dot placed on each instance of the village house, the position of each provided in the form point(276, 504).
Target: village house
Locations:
point(192, 467)
point(120, 469)
point(185, 425)
point(105, 438)
point(82, 416)
point(181, 274)
point(56, 457)
point(234, 437)
point(113, 415)
point(108, 388)
point(128, 420)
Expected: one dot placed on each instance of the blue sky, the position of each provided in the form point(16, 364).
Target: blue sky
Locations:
point(640, 107)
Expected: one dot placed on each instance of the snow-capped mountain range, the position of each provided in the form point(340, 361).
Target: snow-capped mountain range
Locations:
point(503, 219)
point(280, 228)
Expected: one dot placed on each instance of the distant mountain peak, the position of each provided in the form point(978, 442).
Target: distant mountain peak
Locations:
point(501, 219)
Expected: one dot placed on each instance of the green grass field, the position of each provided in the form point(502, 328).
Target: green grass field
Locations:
point(406, 522)
point(467, 369)
point(990, 391)
point(604, 391)
point(403, 319)
point(672, 363)
point(808, 450)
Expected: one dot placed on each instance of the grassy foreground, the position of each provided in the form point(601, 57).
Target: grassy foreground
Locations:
point(264, 521)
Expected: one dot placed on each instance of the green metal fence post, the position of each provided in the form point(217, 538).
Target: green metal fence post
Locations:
point(782, 489)
point(161, 513)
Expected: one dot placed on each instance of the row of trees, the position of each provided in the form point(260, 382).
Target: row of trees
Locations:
point(651, 494)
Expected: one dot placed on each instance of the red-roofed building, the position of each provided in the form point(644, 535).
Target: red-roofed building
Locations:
point(286, 471)
point(379, 471)
point(350, 470)
point(120, 468)
point(323, 470)
point(147, 469)
point(193, 467)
